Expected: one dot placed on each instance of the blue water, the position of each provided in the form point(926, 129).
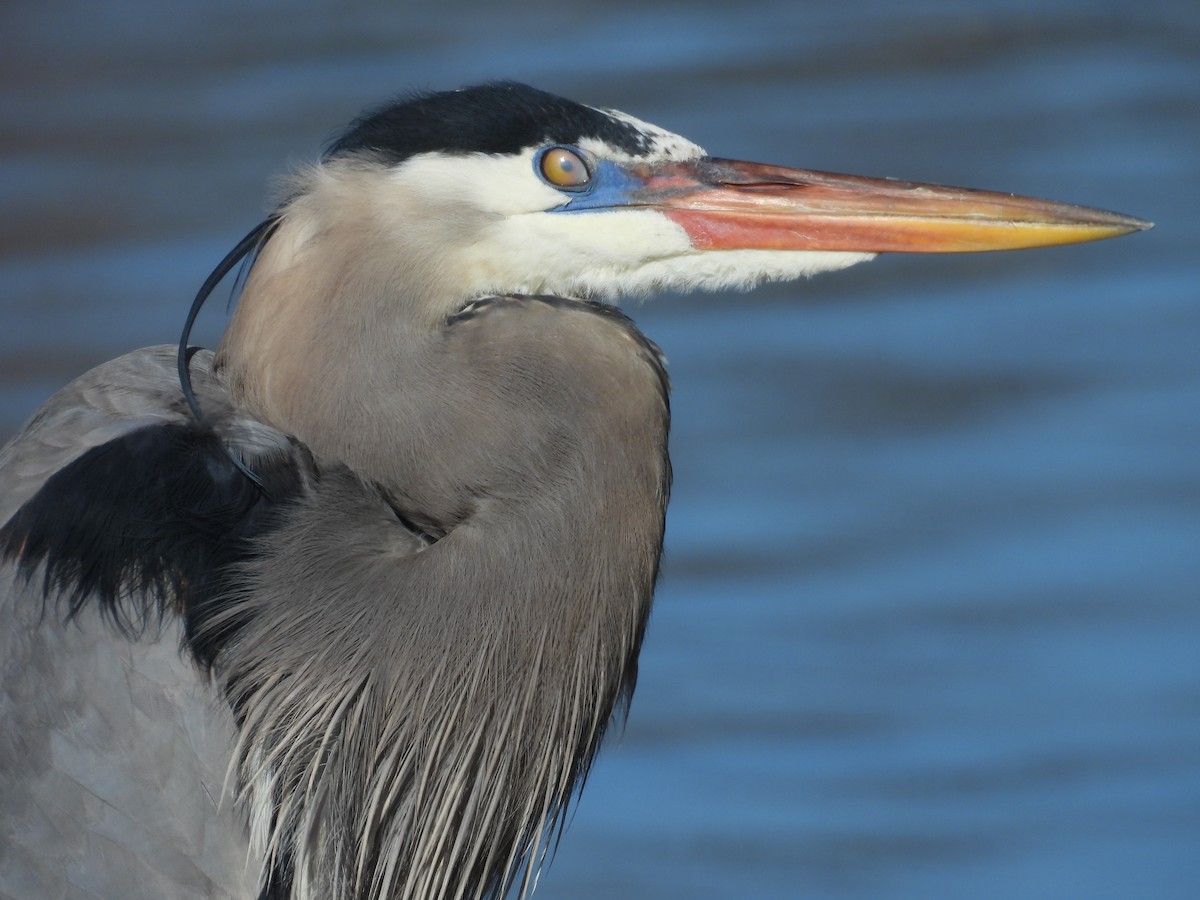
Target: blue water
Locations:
point(929, 624)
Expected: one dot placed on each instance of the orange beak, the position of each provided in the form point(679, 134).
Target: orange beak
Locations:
point(725, 205)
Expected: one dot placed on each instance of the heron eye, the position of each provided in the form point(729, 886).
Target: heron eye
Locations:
point(564, 168)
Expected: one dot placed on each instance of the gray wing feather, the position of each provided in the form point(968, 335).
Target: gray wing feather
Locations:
point(114, 752)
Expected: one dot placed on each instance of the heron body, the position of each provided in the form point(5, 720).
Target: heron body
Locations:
point(348, 612)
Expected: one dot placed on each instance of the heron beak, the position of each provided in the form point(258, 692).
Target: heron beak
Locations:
point(726, 205)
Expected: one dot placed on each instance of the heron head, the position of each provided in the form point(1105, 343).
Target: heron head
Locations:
point(502, 188)
point(430, 203)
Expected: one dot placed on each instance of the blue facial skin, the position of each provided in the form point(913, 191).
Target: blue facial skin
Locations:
point(610, 186)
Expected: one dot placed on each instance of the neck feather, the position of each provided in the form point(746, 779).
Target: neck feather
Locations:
point(415, 717)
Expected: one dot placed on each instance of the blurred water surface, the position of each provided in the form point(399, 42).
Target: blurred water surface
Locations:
point(929, 620)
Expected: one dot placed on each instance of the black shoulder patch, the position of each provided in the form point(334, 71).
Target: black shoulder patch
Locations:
point(147, 523)
point(498, 117)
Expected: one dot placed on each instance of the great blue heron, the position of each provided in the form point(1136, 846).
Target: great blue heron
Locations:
point(347, 614)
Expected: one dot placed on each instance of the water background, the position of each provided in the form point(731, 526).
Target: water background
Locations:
point(929, 624)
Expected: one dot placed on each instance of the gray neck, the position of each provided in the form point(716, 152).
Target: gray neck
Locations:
point(530, 438)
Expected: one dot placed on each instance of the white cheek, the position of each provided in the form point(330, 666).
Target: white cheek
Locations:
point(622, 252)
point(496, 185)
point(571, 253)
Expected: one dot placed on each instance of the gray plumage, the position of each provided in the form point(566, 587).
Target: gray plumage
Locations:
point(352, 619)
point(420, 738)
point(387, 715)
point(113, 753)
